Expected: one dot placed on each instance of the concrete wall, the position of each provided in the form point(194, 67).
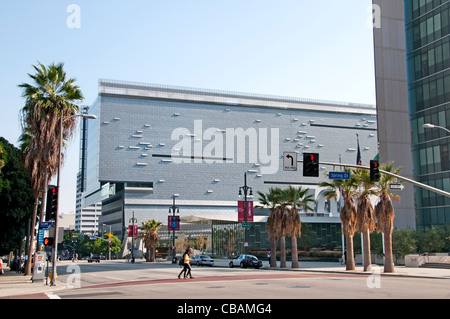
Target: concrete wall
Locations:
point(394, 131)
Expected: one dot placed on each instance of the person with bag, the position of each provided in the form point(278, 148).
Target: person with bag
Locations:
point(186, 259)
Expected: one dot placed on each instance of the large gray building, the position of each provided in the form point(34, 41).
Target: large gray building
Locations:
point(394, 132)
point(151, 143)
point(412, 67)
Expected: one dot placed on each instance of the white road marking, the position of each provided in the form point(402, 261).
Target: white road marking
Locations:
point(51, 295)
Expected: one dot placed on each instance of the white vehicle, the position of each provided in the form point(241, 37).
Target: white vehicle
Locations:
point(201, 260)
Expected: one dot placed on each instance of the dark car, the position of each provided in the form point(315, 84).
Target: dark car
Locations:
point(245, 261)
point(201, 260)
point(94, 258)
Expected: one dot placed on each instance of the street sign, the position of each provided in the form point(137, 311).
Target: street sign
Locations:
point(339, 175)
point(289, 161)
point(110, 235)
point(46, 224)
point(246, 225)
point(399, 187)
point(43, 232)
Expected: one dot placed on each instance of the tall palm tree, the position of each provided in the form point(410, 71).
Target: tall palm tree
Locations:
point(39, 180)
point(150, 236)
point(271, 200)
point(365, 212)
point(52, 97)
point(384, 213)
point(347, 189)
point(296, 198)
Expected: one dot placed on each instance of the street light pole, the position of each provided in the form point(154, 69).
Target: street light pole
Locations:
point(174, 209)
point(132, 220)
point(55, 242)
point(428, 125)
point(109, 243)
point(245, 188)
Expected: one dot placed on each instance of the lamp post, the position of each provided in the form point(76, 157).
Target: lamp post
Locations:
point(172, 210)
point(109, 237)
point(428, 125)
point(132, 220)
point(55, 244)
point(246, 190)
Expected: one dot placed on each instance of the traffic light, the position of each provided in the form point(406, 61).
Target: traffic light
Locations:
point(374, 171)
point(52, 203)
point(48, 241)
point(311, 164)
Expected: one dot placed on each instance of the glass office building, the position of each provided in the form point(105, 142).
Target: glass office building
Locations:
point(428, 61)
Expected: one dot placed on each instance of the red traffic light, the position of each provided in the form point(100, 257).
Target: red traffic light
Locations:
point(311, 164)
point(374, 171)
point(48, 241)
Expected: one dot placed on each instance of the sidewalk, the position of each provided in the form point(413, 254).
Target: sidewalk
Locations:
point(15, 285)
point(336, 267)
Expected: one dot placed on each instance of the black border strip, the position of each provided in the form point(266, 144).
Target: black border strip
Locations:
point(290, 183)
point(192, 157)
point(344, 127)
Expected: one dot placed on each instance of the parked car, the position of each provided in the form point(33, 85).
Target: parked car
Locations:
point(94, 258)
point(201, 260)
point(245, 261)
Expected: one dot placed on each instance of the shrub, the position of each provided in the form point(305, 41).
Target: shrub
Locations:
point(403, 242)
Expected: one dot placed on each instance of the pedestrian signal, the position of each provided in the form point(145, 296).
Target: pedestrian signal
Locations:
point(48, 241)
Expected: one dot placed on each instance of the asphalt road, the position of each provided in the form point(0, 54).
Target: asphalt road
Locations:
point(121, 280)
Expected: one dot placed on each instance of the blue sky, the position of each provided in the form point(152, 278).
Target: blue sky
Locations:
point(300, 48)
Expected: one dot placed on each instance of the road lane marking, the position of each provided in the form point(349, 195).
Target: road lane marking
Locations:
point(51, 295)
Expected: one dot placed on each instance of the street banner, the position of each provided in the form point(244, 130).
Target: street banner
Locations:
point(241, 211)
point(173, 223)
point(132, 233)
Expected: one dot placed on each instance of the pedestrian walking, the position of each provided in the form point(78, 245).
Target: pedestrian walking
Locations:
point(186, 264)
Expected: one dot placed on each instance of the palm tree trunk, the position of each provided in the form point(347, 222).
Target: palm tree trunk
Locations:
point(388, 258)
point(273, 253)
point(150, 254)
point(283, 252)
point(367, 252)
point(33, 230)
point(350, 264)
point(153, 254)
point(294, 252)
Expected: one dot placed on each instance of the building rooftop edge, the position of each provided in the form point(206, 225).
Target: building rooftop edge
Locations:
point(228, 94)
